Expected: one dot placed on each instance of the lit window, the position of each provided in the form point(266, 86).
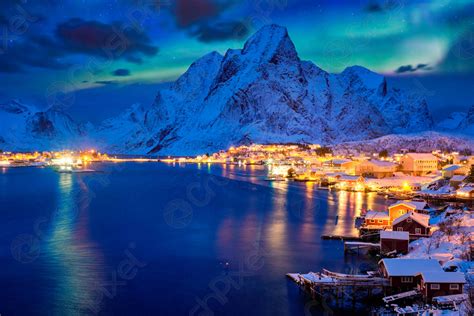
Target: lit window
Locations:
point(407, 279)
point(380, 221)
point(434, 286)
point(372, 221)
point(418, 231)
point(454, 286)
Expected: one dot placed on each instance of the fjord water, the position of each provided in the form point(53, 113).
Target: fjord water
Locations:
point(156, 239)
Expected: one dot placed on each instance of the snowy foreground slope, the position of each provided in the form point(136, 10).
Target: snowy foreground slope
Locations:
point(265, 93)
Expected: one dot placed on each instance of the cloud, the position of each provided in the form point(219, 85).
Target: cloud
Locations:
point(74, 37)
point(189, 12)
point(410, 68)
point(121, 72)
point(35, 51)
point(105, 40)
point(375, 6)
point(220, 31)
point(106, 82)
point(203, 19)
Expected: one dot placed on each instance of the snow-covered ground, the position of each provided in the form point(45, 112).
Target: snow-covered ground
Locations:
point(450, 244)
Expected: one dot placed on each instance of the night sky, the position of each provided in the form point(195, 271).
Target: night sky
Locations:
point(71, 53)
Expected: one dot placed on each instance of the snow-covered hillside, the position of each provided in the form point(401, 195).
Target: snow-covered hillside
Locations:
point(24, 127)
point(419, 142)
point(265, 93)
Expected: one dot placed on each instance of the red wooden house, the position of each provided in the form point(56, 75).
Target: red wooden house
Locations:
point(393, 241)
point(417, 225)
point(402, 273)
point(434, 284)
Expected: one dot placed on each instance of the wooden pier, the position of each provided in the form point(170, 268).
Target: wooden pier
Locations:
point(356, 246)
point(339, 284)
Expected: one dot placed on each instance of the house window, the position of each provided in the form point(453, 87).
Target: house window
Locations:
point(407, 279)
point(434, 286)
point(380, 221)
point(399, 229)
point(401, 212)
point(409, 220)
point(454, 286)
point(372, 221)
point(418, 231)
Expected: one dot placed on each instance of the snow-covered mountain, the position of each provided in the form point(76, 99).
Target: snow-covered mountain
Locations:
point(451, 122)
point(419, 142)
point(265, 93)
point(24, 127)
point(466, 126)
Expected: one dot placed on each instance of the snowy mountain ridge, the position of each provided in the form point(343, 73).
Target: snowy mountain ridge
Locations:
point(265, 93)
point(25, 128)
point(262, 93)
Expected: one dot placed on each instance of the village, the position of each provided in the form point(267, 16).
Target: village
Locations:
point(423, 241)
point(65, 161)
point(435, 175)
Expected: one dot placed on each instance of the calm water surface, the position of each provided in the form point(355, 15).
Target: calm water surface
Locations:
point(156, 239)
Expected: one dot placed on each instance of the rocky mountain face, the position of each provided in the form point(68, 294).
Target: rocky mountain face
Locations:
point(24, 127)
point(265, 93)
point(467, 124)
point(261, 93)
point(451, 122)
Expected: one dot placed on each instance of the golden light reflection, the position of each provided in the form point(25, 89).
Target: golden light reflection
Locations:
point(276, 230)
point(307, 214)
point(74, 260)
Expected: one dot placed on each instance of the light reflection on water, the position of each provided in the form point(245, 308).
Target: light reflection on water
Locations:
point(75, 262)
point(283, 219)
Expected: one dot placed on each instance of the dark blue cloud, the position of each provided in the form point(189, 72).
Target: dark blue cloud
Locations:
point(121, 72)
point(75, 37)
point(106, 82)
point(410, 68)
point(105, 40)
point(220, 31)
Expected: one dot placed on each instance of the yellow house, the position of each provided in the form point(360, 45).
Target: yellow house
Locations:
point(419, 164)
point(399, 209)
point(375, 168)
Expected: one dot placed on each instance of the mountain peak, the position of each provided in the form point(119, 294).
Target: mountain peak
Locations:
point(271, 41)
point(16, 107)
point(369, 78)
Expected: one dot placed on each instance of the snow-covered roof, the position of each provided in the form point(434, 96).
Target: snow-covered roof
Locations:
point(458, 178)
point(410, 267)
point(409, 204)
point(417, 205)
point(422, 156)
point(451, 168)
point(340, 161)
point(348, 178)
point(466, 190)
point(419, 218)
point(381, 163)
point(387, 234)
point(443, 277)
point(376, 215)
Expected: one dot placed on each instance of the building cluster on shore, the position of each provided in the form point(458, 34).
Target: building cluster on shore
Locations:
point(425, 266)
point(51, 158)
point(435, 174)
